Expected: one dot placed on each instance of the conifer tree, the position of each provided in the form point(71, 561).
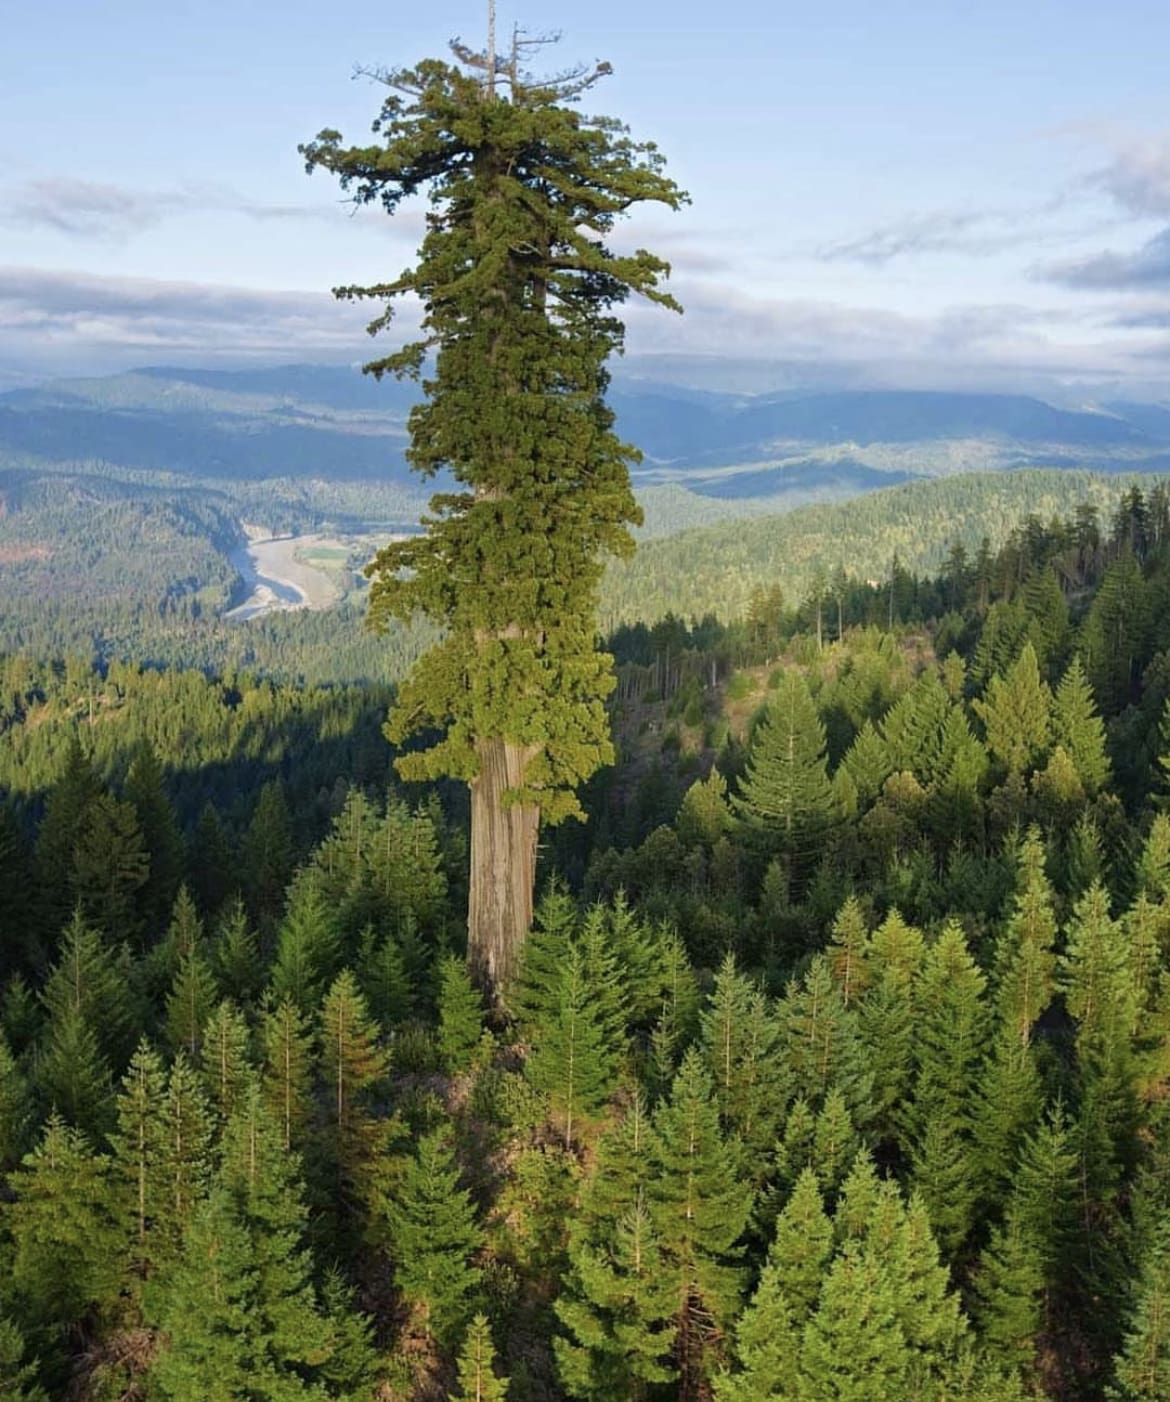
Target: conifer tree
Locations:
point(139, 1154)
point(353, 1069)
point(739, 1046)
point(307, 946)
point(1143, 1368)
point(767, 1347)
point(212, 868)
point(460, 1015)
point(239, 1312)
point(18, 1379)
point(65, 1263)
point(886, 1022)
point(184, 936)
point(618, 1306)
point(146, 792)
point(267, 853)
point(699, 1207)
point(236, 958)
point(110, 866)
point(613, 1304)
point(785, 793)
point(1019, 1280)
point(867, 763)
point(949, 1046)
point(386, 985)
point(820, 1043)
point(1153, 868)
point(801, 1248)
point(848, 955)
point(1016, 711)
point(72, 1074)
point(433, 1235)
point(1009, 1098)
point(225, 1058)
point(288, 1070)
point(478, 1379)
point(65, 806)
point(1077, 726)
point(515, 410)
point(189, 1005)
point(92, 981)
point(575, 1058)
point(15, 1109)
point(185, 1154)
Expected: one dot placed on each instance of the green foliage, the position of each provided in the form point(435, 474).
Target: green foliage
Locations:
point(699, 1206)
point(785, 793)
point(478, 1380)
point(515, 409)
point(287, 1073)
point(433, 1235)
point(1017, 714)
point(460, 1011)
point(239, 1311)
point(575, 1060)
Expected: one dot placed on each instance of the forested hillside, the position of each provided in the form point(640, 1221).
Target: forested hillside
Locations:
point(139, 569)
point(837, 1067)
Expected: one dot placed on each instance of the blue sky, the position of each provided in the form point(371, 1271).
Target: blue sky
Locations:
point(918, 192)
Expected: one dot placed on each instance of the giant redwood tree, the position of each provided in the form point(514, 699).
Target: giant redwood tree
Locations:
point(518, 290)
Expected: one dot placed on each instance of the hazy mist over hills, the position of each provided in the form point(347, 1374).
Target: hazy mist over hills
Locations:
point(331, 423)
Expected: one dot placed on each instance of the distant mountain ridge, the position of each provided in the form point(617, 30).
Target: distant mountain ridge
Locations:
point(334, 424)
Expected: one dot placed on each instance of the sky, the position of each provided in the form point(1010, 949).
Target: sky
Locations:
point(902, 193)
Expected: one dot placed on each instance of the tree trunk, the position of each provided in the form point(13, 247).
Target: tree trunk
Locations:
point(503, 865)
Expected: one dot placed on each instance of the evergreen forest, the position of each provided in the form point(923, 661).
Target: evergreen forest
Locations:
point(836, 1066)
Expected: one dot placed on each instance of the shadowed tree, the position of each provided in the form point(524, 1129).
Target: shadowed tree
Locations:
point(519, 290)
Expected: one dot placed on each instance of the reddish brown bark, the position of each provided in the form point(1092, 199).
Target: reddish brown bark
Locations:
point(503, 866)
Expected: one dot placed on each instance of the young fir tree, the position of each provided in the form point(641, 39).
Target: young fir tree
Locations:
point(699, 1205)
point(616, 1305)
point(1077, 726)
point(307, 945)
point(15, 1109)
point(92, 980)
point(1143, 1367)
point(478, 1379)
point(949, 1047)
point(146, 792)
point(739, 1046)
point(460, 1015)
point(353, 1068)
point(767, 1347)
point(785, 793)
point(267, 854)
point(110, 866)
point(239, 1314)
point(185, 1154)
point(1016, 711)
point(801, 1248)
point(226, 1058)
point(519, 290)
point(66, 1262)
point(575, 1059)
point(1028, 1263)
point(139, 1155)
point(189, 1005)
point(287, 1073)
point(18, 1378)
point(236, 957)
point(433, 1235)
